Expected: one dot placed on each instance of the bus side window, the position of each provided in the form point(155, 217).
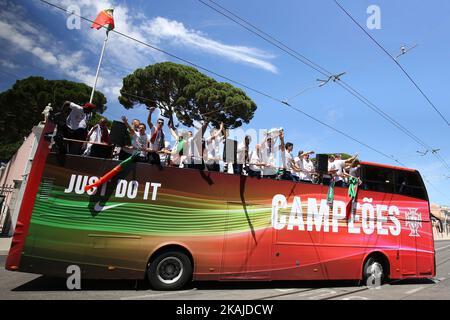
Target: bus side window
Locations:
point(377, 179)
point(409, 184)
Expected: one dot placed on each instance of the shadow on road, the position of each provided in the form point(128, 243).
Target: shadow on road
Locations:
point(238, 285)
point(44, 283)
point(412, 281)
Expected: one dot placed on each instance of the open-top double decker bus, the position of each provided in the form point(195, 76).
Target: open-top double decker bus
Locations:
point(171, 225)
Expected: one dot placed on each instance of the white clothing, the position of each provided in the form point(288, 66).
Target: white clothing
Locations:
point(299, 163)
point(77, 118)
point(96, 136)
point(308, 167)
point(194, 150)
point(340, 166)
point(140, 142)
point(268, 157)
point(213, 149)
point(156, 145)
point(288, 161)
point(241, 153)
point(254, 158)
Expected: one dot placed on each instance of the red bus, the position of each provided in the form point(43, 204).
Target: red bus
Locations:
point(173, 225)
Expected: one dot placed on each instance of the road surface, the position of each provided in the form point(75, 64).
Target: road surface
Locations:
point(16, 285)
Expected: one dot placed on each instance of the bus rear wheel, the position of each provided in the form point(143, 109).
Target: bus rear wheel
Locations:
point(169, 270)
point(373, 272)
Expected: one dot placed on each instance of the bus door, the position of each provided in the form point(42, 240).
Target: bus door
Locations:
point(247, 242)
point(408, 247)
point(296, 247)
point(417, 230)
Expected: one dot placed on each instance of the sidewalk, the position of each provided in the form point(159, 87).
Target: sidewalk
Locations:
point(441, 236)
point(5, 244)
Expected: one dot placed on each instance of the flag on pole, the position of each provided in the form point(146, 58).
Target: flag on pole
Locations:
point(104, 18)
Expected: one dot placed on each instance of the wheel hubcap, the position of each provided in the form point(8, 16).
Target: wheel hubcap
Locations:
point(376, 270)
point(169, 270)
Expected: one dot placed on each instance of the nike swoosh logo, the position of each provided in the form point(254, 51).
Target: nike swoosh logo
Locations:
point(99, 208)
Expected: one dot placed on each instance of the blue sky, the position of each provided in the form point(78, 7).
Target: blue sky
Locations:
point(36, 41)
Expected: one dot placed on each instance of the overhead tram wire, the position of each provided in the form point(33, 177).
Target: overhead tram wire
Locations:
point(396, 62)
point(311, 64)
point(445, 164)
point(267, 37)
point(238, 83)
point(298, 56)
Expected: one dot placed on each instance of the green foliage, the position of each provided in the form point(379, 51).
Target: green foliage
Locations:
point(7, 150)
point(344, 156)
point(22, 105)
point(187, 93)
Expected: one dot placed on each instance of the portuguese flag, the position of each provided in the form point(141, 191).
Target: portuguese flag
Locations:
point(104, 18)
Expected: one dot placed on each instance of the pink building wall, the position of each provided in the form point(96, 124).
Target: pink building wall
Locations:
point(13, 176)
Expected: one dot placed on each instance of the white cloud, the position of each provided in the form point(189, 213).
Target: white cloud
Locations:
point(30, 39)
point(8, 64)
point(177, 33)
point(155, 31)
point(122, 55)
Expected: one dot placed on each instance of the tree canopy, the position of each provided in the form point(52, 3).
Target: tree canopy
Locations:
point(22, 105)
point(188, 94)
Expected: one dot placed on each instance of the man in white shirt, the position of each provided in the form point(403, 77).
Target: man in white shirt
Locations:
point(269, 152)
point(127, 150)
point(156, 132)
point(243, 155)
point(307, 168)
point(299, 163)
point(98, 134)
point(213, 143)
point(196, 148)
point(255, 165)
point(180, 150)
point(140, 140)
point(157, 138)
point(336, 168)
point(290, 168)
point(76, 124)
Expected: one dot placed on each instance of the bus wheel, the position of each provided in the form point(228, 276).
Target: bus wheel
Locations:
point(373, 272)
point(170, 270)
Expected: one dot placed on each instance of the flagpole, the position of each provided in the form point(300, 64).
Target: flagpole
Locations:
point(98, 67)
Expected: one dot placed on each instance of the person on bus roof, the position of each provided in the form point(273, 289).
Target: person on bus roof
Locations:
point(76, 124)
point(212, 144)
point(157, 138)
point(256, 164)
point(290, 168)
point(336, 168)
point(127, 150)
point(243, 156)
point(139, 140)
point(99, 133)
point(269, 152)
point(307, 167)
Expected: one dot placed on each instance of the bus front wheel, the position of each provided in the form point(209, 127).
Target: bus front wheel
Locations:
point(170, 270)
point(373, 272)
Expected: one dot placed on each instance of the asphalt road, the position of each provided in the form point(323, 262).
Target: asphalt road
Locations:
point(16, 285)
